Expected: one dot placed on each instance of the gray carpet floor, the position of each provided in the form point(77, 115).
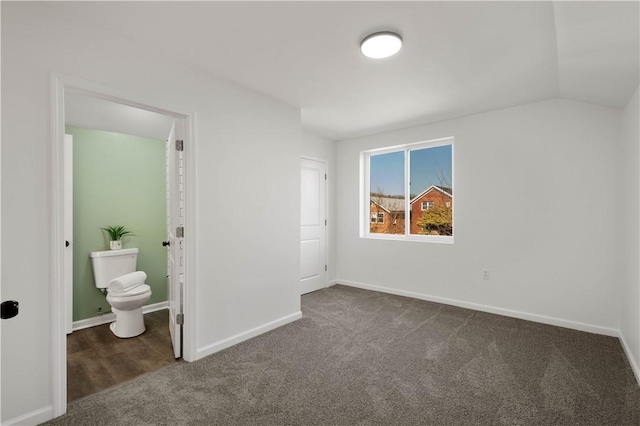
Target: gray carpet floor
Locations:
point(359, 357)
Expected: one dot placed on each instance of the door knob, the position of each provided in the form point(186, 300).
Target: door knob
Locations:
point(66, 243)
point(9, 309)
point(166, 243)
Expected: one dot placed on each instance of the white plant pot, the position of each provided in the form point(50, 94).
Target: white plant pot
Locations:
point(115, 245)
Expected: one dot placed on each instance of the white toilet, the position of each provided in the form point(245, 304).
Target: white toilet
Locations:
point(127, 304)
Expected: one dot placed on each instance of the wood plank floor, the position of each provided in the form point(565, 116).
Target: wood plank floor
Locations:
point(96, 359)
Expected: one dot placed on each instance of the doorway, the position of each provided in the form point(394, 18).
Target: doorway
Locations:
point(62, 87)
point(115, 175)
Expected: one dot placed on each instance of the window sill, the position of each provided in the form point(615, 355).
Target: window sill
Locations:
point(414, 238)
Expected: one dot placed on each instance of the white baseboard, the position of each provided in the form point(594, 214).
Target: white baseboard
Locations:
point(246, 335)
point(111, 317)
point(34, 417)
point(332, 283)
point(632, 361)
point(575, 325)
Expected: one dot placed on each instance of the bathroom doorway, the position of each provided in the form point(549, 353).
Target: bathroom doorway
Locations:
point(101, 108)
point(115, 174)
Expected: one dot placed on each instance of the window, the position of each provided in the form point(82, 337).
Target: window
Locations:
point(413, 181)
point(426, 205)
point(377, 217)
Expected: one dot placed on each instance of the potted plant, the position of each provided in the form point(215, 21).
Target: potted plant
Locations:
point(116, 233)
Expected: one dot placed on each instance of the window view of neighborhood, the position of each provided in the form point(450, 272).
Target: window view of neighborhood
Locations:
point(429, 191)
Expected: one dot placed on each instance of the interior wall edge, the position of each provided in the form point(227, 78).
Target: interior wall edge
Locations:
point(246, 335)
point(543, 319)
point(34, 417)
point(627, 351)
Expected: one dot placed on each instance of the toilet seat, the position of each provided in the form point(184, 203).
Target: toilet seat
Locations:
point(133, 291)
point(128, 309)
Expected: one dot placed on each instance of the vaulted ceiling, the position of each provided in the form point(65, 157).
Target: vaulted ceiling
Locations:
point(458, 58)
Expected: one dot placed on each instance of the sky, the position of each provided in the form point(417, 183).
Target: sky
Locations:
point(387, 170)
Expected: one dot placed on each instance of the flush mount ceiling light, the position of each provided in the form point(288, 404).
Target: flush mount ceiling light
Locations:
point(381, 45)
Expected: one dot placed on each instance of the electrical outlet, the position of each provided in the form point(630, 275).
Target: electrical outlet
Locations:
point(485, 274)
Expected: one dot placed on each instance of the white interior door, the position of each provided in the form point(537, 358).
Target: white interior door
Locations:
point(68, 231)
point(313, 255)
point(175, 233)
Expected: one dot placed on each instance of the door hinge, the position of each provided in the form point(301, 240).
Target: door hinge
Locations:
point(325, 267)
point(180, 319)
point(325, 176)
point(179, 145)
point(325, 222)
point(180, 232)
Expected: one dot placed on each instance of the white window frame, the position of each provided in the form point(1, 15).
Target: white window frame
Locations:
point(375, 217)
point(365, 192)
point(429, 205)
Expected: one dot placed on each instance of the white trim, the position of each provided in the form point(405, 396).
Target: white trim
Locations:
point(58, 291)
point(432, 143)
point(110, 317)
point(190, 294)
point(629, 354)
point(332, 283)
point(574, 325)
point(246, 335)
point(34, 417)
point(59, 84)
point(441, 239)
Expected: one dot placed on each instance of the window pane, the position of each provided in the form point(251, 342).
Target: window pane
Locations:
point(387, 192)
point(431, 191)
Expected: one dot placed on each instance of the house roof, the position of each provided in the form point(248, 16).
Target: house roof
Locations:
point(443, 189)
point(389, 204)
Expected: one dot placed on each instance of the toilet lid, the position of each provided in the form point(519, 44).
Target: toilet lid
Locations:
point(135, 291)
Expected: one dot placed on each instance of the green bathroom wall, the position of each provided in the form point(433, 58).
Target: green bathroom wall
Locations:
point(117, 180)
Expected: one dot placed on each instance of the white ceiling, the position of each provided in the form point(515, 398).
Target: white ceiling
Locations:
point(458, 58)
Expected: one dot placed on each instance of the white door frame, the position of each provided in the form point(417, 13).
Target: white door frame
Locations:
point(60, 84)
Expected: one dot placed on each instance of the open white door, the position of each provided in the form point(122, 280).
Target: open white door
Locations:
point(68, 232)
point(175, 233)
point(313, 255)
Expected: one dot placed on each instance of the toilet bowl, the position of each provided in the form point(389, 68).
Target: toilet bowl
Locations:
point(127, 305)
point(126, 300)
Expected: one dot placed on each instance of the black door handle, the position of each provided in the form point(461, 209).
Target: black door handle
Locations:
point(66, 243)
point(166, 243)
point(9, 309)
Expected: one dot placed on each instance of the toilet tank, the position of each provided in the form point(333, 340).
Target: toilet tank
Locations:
point(110, 264)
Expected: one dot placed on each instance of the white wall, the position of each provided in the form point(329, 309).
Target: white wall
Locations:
point(319, 148)
point(630, 233)
point(248, 159)
point(535, 203)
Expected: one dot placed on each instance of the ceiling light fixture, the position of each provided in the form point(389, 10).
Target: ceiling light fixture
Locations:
point(381, 45)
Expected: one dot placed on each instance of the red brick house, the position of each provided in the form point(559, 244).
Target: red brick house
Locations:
point(434, 196)
point(386, 215)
